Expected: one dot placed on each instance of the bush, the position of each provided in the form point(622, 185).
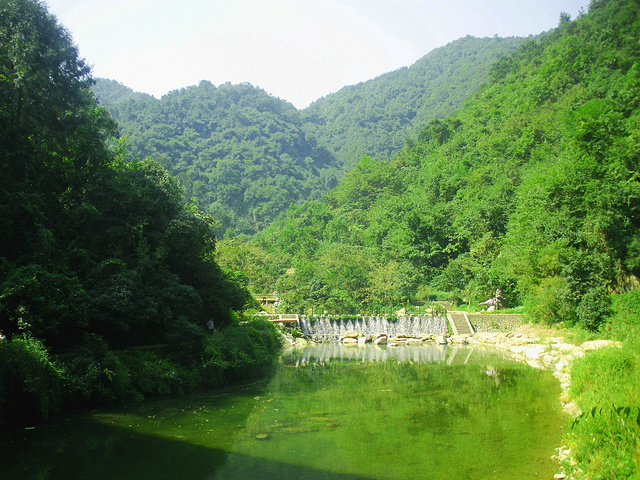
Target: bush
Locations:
point(95, 374)
point(153, 374)
point(31, 385)
point(241, 351)
point(606, 439)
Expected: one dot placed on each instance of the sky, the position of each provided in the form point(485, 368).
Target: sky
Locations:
point(296, 50)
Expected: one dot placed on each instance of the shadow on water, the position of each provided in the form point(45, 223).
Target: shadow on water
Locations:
point(326, 412)
point(122, 455)
point(105, 445)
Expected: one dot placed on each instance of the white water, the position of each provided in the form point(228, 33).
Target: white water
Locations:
point(404, 325)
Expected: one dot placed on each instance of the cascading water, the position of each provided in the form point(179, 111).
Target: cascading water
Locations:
point(325, 328)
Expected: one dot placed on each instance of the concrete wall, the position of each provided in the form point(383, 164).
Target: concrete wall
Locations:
point(494, 322)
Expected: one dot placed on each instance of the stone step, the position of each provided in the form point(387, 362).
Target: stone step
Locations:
point(460, 324)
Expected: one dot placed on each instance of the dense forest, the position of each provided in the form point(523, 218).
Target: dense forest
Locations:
point(97, 252)
point(238, 151)
point(245, 156)
point(530, 187)
point(374, 117)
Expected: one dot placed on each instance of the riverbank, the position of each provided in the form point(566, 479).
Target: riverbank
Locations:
point(550, 349)
point(546, 348)
point(36, 385)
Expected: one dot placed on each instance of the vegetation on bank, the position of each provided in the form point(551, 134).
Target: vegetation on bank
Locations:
point(98, 252)
point(605, 441)
point(35, 384)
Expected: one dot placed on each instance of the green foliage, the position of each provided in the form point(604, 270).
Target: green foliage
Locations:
point(35, 385)
point(94, 374)
point(246, 156)
point(606, 436)
point(240, 152)
point(529, 187)
point(97, 252)
point(31, 384)
point(242, 351)
point(374, 117)
point(93, 243)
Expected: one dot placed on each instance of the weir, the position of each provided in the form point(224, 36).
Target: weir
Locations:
point(409, 325)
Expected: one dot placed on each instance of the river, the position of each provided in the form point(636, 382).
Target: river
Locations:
point(326, 412)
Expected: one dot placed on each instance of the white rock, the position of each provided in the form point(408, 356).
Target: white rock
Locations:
point(596, 344)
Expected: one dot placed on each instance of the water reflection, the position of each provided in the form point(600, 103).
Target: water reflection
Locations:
point(329, 412)
point(425, 353)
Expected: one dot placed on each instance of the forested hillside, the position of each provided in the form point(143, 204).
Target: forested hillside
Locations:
point(374, 117)
point(246, 156)
point(96, 252)
point(239, 151)
point(530, 187)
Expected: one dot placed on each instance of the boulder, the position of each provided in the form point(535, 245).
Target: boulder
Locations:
point(458, 339)
point(350, 335)
point(381, 340)
point(350, 341)
point(441, 340)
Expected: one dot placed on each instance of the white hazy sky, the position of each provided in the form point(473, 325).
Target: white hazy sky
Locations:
point(297, 50)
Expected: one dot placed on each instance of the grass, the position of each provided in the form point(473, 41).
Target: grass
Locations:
point(605, 442)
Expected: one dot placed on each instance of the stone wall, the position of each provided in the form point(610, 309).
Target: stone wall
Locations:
point(494, 322)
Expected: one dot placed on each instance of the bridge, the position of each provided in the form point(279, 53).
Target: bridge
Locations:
point(290, 319)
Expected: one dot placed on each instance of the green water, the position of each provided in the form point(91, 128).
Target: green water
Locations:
point(418, 412)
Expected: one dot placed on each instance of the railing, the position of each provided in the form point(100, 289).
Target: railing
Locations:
point(281, 317)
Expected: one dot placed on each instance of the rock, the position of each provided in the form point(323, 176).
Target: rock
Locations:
point(414, 341)
point(596, 344)
point(381, 340)
point(400, 339)
point(262, 436)
point(362, 341)
point(441, 340)
point(458, 339)
point(350, 341)
point(350, 335)
point(534, 351)
point(425, 337)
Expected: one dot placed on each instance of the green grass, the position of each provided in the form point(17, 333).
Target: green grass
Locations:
point(605, 441)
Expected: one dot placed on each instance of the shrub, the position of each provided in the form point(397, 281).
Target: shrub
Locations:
point(95, 374)
point(606, 438)
point(31, 385)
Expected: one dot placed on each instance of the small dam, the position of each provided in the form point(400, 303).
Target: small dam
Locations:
point(325, 328)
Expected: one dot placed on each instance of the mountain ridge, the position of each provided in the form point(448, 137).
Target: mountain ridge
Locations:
point(246, 155)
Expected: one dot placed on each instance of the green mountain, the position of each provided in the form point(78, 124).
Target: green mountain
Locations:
point(530, 187)
point(239, 151)
point(246, 156)
point(373, 118)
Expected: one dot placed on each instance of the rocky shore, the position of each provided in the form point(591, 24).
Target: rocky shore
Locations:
point(541, 348)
